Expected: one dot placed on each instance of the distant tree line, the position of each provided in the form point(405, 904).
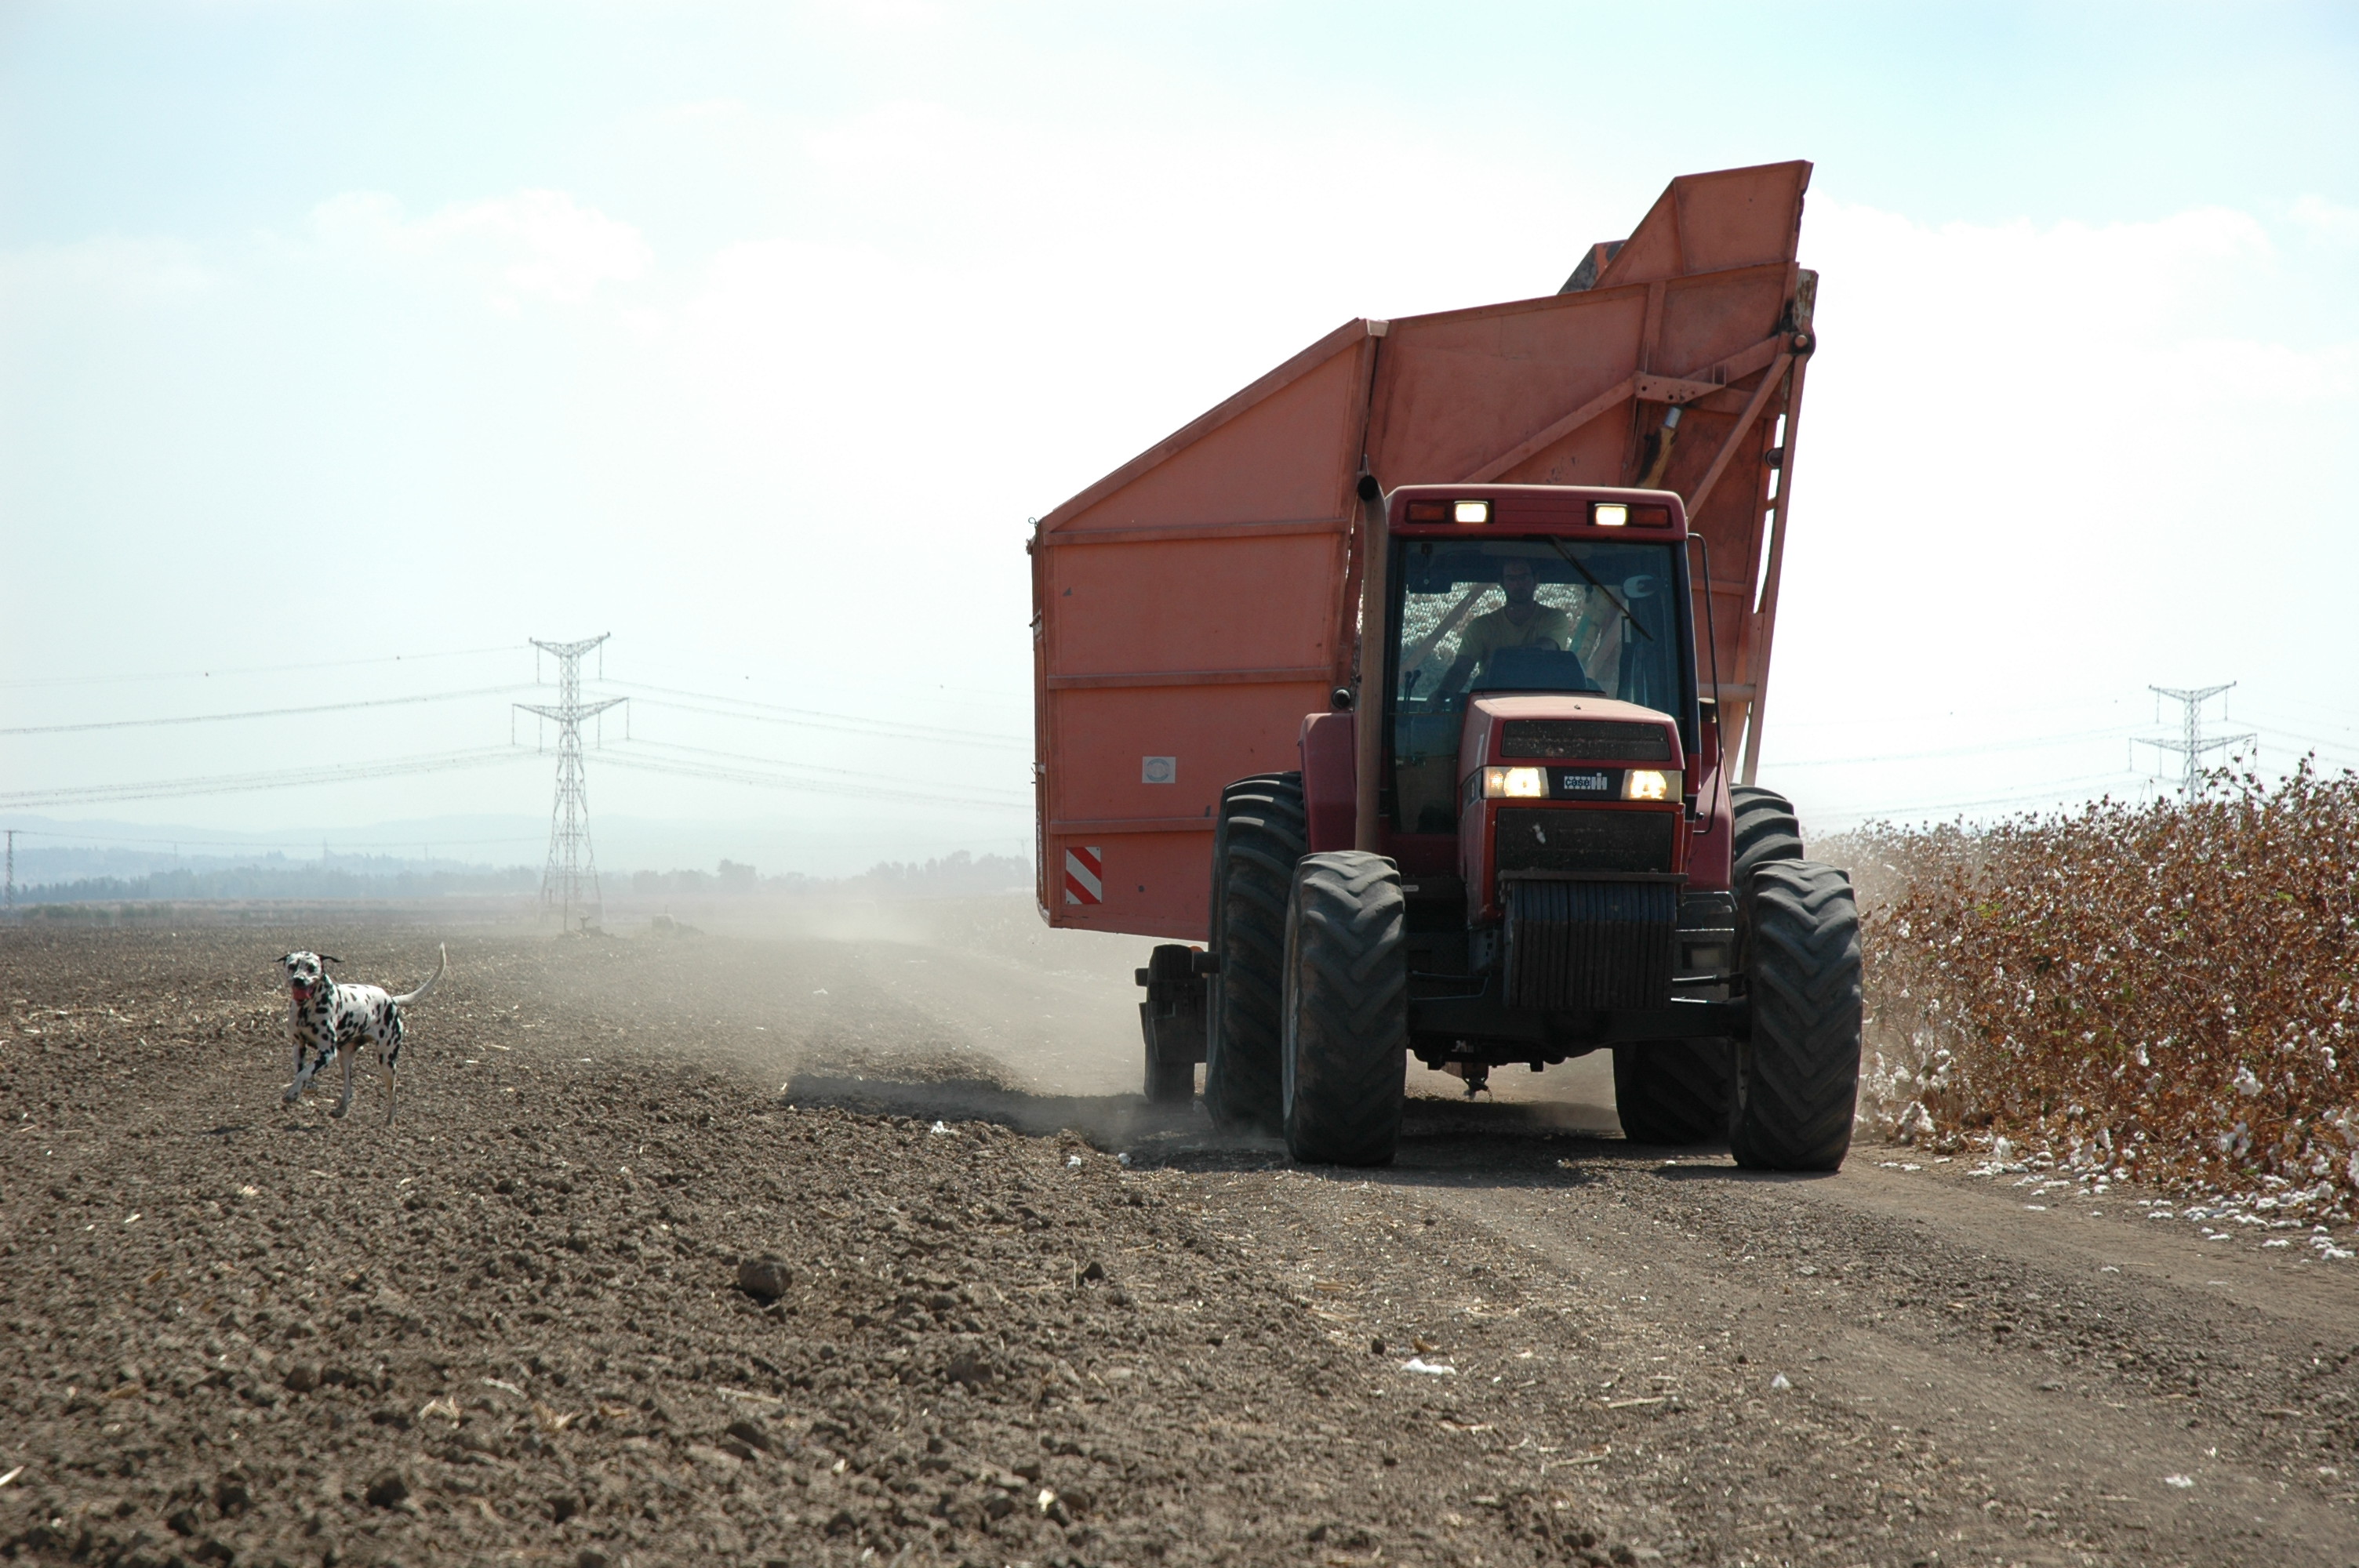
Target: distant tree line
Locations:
point(294, 882)
point(951, 875)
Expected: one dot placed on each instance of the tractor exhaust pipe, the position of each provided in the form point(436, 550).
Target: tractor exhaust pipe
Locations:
point(1368, 706)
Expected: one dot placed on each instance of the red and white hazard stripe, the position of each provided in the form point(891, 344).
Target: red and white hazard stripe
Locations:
point(1084, 874)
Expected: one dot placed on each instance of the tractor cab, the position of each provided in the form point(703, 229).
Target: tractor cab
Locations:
point(1541, 678)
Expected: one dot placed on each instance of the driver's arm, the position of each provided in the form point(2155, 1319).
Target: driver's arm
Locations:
point(1460, 671)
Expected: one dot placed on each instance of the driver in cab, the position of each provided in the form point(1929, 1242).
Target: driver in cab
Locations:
point(1522, 623)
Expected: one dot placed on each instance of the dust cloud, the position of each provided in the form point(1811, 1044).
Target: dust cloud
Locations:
point(970, 1008)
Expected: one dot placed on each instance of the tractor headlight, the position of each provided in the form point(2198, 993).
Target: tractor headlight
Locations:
point(1646, 783)
point(1515, 783)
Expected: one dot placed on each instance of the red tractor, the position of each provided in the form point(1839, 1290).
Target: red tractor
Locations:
point(1529, 581)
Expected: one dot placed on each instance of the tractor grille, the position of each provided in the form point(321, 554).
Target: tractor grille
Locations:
point(1544, 838)
point(1580, 945)
point(1585, 741)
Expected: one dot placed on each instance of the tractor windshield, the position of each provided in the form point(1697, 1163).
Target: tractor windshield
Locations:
point(1547, 615)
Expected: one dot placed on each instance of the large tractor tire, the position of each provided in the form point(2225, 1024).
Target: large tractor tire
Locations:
point(1259, 835)
point(1765, 830)
point(1673, 1091)
point(1679, 1092)
point(1346, 1000)
point(1796, 1079)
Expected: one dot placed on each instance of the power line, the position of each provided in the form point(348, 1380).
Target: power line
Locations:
point(263, 712)
point(197, 844)
point(2262, 715)
point(878, 734)
point(2268, 728)
point(813, 719)
point(2050, 794)
point(2346, 764)
point(308, 664)
point(1948, 717)
point(230, 784)
point(867, 775)
point(1966, 750)
point(720, 773)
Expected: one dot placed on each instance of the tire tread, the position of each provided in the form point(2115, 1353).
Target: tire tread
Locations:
point(1797, 1072)
point(1262, 830)
point(1347, 1010)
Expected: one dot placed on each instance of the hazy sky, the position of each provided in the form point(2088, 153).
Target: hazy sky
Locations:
point(752, 335)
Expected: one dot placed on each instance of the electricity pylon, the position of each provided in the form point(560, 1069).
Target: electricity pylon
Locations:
point(569, 883)
point(2192, 743)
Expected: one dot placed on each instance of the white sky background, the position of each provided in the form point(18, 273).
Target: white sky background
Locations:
point(752, 335)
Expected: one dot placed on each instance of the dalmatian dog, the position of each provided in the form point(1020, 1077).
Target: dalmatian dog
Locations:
point(326, 1019)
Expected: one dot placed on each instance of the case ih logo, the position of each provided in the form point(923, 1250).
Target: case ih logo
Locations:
point(1084, 875)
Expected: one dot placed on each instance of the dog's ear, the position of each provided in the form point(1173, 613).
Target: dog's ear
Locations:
point(330, 958)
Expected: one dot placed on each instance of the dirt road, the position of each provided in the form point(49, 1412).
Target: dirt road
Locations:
point(513, 1323)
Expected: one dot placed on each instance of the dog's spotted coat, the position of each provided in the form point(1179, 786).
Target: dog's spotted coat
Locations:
point(326, 1019)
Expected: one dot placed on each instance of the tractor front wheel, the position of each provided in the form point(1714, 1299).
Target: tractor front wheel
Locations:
point(1796, 1079)
point(1347, 1010)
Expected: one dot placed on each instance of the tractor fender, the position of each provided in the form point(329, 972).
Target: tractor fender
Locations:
point(1330, 776)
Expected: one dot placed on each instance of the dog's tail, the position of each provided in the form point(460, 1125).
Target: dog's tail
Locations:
point(413, 996)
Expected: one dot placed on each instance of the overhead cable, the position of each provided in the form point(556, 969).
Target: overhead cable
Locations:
point(807, 786)
point(230, 784)
point(263, 712)
point(2025, 745)
point(2049, 795)
point(199, 846)
point(896, 729)
point(1015, 797)
point(1948, 717)
point(265, 669)
point(2318, 741)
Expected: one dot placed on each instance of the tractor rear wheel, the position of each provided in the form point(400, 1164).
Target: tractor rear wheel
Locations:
point(1796, 1079)
point(1172, 1019)
point(1673, 1091)
point(1765, 830)
point(1346, 1000)
point(1170, 1080)
point(1259, 835)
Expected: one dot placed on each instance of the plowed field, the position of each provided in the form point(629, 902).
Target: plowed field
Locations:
point(511, 1325)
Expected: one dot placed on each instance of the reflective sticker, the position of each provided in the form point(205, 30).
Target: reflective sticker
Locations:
point(1084, 872)
point(1159, 770)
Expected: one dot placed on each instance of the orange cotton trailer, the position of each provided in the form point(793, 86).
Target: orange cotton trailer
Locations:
point(1191, 608)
